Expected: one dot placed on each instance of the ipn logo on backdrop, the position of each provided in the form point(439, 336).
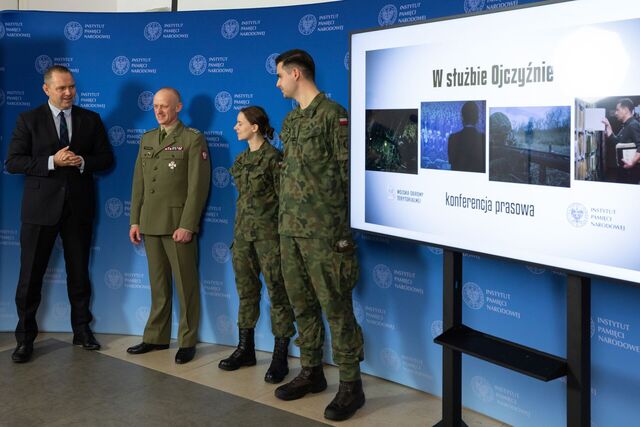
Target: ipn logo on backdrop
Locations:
point(482, 388)
point(473, 5)
point(139, 249)
point(152, 31)
point(270, 63)
point(2, 30)
point(437, 328)
point(2, 98)
point(435, 251)
point(142, 314)
point(230, 29)
point(113, 279)
point(73, 31)
point(43, 63)
point(223, 101)
point(388, 15)
point(536, 270)
point(390, 359)
point(61, 310)
point(382, 276)
point(472, 295)
point(224, 325)
point(120, 65)
point(220, 252)
point(347, 60)
point(307, 24)
point(221, 177)
point(145, 100)
point(577, 215)
point(198, 65)
point(114, 207)
point(117, 135)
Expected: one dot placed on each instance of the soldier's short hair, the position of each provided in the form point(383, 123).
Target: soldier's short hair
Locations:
point(55, 69)
point(173, 91)
point(627, 103)
point(298, 58)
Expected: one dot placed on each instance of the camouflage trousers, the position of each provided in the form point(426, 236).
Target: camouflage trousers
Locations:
point(318, 278)
point(249, 259)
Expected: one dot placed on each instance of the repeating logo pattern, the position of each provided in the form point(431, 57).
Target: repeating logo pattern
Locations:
point(347, 60)
point(2, 30)
point(73, 31)
point(382, 276)
point(436, 328)
point(198, 65)
point(223, 101)
point(220, 252)
point(224, 325)
point(142, 314)
point(113, 279)
point(472, 295)
point(536, 270)
point(390, 359)
point(145, 101)
point(43, 62)
point(2, 98)
point(152, 31)
point(114, 207)
point(473, 5)
point(270, 63)
point(117, 135)
point(230, 29)
point(139, 249)
point(482, 388)
point(307, 24)
point(388, 15)
point(221, 177)
point(577, 214)
point(120, 65)
point(435, 251)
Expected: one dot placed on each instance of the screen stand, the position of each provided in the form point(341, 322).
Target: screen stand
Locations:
point(458, 338)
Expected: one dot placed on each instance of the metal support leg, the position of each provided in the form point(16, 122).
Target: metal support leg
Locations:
point(578, 351)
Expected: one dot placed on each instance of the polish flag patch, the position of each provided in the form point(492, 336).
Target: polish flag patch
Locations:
point(344, 121)
point(204, 155)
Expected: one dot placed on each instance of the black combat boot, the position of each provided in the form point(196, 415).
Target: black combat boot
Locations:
point(308, 380)
point(244, 355)
point(279, 367)
point(349, 399)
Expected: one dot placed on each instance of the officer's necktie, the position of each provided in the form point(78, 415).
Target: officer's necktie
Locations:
point(163, 135)
point(64, 130)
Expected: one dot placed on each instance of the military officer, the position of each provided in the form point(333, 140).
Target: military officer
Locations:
point(170, 187)
point(319, 261)
point(256, 247)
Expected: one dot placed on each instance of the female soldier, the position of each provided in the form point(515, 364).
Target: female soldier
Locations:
point(256, 246)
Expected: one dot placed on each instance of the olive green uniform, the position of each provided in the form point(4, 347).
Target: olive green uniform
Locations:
point(256, 247)
point(319, 260)
point(170, 187)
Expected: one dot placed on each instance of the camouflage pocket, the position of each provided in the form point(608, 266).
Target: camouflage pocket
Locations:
point(346, 270)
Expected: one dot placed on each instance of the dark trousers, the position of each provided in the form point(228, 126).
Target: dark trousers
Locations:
point(36, 243)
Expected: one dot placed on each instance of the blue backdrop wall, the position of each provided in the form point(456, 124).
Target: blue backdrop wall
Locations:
point(222, 61)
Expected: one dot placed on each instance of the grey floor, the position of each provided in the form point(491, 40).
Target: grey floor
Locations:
point(66, 386)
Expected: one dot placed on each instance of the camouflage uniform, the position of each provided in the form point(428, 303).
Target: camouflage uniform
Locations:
point(255, 246)
point(170, 187)
point(319, 260)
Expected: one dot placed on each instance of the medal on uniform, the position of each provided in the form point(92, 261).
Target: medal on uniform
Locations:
point(172, 165)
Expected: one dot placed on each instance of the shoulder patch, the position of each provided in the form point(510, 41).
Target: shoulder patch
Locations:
point(194, 130)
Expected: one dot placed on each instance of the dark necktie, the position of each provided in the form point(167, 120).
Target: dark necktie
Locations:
point(64, 130)
point(163, 135)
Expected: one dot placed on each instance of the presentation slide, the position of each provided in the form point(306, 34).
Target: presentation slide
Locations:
point(504, 133)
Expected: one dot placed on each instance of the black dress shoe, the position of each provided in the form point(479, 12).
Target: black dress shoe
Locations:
point(185, 354)
point(309, 380)
point(144, 347)
point(86, 340)
point(23, 352)
point(348, 400)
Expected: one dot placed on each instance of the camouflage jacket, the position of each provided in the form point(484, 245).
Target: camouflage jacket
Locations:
point(257, 178)
point(314, 181)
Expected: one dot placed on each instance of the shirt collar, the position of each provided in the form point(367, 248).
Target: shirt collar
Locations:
point(56, 111)
point(311, 108)
point(171, 128)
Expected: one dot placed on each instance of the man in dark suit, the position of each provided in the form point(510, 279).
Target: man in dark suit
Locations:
point(466, 148)
point(58, 147)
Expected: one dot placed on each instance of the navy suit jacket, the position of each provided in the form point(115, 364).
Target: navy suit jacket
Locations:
point(34, 139)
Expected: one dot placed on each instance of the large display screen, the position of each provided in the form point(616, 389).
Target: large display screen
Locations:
point(509, 133)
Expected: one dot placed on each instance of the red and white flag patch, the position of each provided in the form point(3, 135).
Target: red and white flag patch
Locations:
point(344, 121)
point(204, 155)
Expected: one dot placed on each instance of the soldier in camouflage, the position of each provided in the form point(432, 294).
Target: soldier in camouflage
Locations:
point(170, 187)
point(319, 260)
point(256, 245)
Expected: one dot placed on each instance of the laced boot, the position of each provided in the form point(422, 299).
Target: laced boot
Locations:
point(308, 380)
point(348, 400)
point(279, 367)
point(244, 355)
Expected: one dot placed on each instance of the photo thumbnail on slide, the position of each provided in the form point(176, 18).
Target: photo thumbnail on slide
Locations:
point(392, 141)
point(453, 136)
point(530, 145)
point(601, 154)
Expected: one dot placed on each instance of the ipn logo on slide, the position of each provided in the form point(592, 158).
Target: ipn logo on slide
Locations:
point(73, 31)
point(577, 214)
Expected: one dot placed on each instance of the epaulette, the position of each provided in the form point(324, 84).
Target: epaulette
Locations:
point(151, 130)
point(194, 130)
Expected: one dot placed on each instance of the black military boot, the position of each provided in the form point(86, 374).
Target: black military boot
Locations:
point(308, 380)
point(244, 355)
point(279, 367)
point(349, 399)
